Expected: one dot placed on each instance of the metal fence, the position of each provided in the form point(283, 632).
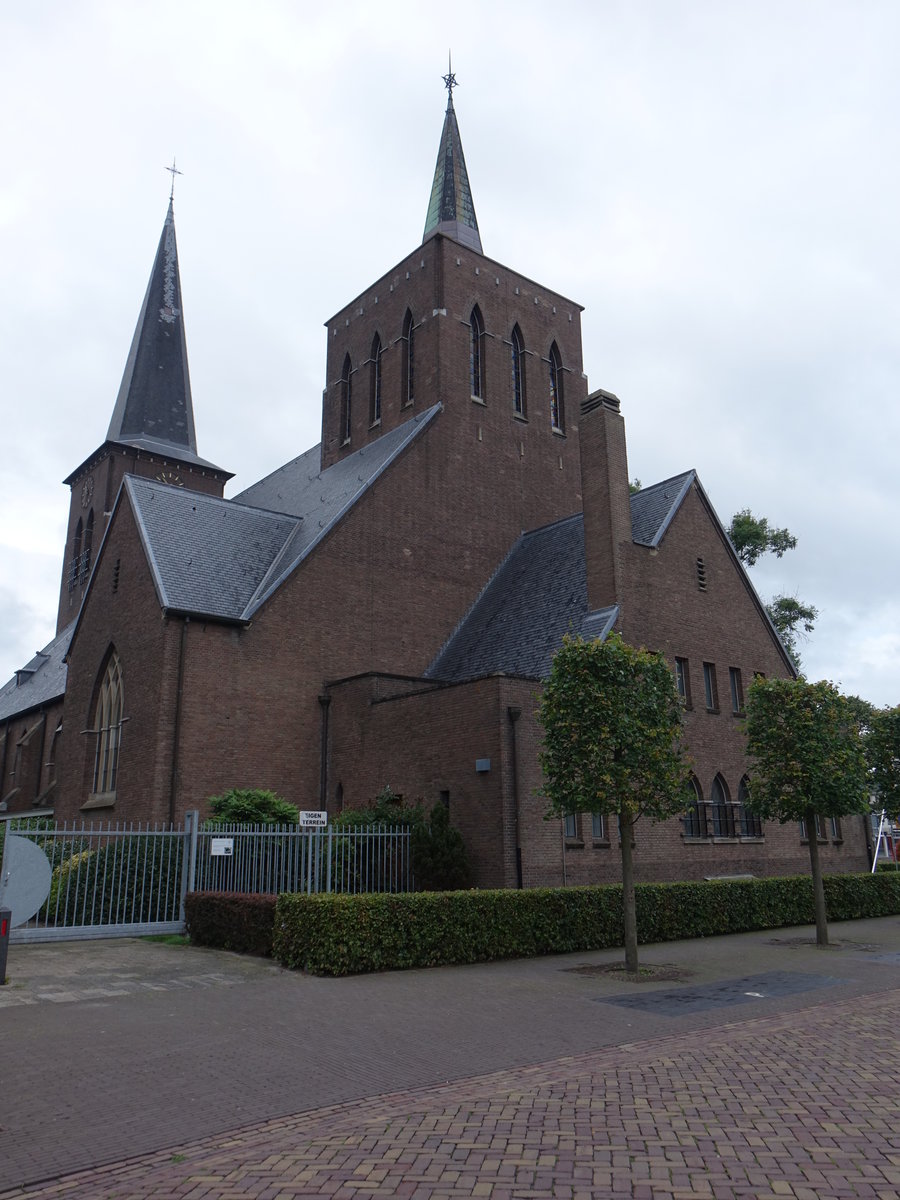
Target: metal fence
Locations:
point(117, 880)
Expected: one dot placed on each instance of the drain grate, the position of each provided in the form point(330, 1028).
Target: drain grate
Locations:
point(722, 995)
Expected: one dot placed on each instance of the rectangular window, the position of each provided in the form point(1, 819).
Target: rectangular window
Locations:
point(737, 690)
point(821, 833)
point(571, 825)
point(709, 687)
point(598, 827)
point(836, 834)
point(683, 681)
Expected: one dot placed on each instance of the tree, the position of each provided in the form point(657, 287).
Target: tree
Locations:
point(612, 745)
point(883, 754)
point(807, 760)
point(251, 806)
point(752, 537)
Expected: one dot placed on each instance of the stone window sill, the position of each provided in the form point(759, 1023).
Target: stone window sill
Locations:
point(99, 800)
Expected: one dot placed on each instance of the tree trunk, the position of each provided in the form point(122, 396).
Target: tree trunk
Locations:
point(629, 911)
point(812, 834)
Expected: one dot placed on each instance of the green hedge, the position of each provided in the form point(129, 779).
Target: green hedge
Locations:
point(230, 921)
point(343, 935)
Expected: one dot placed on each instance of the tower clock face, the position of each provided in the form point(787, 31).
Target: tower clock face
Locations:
point(87, 491)
point(171, 477)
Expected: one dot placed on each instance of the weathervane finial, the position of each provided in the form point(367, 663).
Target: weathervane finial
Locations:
point(449, 80)
point(173, 171)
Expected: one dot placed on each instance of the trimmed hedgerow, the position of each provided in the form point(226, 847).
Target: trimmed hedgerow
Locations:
point(343, 935)
point(231, 921)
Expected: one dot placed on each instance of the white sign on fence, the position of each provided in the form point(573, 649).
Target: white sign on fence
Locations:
point(317, 820)
point(221, 847)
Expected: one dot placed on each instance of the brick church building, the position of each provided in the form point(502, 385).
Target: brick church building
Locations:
point(381, 609)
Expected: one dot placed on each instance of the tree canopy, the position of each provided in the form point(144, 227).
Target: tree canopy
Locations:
point(883, 754)
point(807, 758)
point(612, 744)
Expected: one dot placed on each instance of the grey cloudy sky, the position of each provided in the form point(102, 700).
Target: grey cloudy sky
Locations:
point(717, 183)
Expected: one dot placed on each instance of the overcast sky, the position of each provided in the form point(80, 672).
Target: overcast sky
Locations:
point(717, 183)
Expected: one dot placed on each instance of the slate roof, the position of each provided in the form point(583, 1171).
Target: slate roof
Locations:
point(154, 410)
point(451, 210)
point(40, 681)
point(540, 593)
point(223, 558)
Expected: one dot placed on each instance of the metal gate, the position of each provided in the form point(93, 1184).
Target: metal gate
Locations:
point(124, 880)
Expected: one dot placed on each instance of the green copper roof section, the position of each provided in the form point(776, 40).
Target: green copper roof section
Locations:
point(450, 209)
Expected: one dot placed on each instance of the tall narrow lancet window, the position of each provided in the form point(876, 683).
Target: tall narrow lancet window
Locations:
point(75, 567)
point(346, 398)
point(108, 727)
point(517, 362)
point(408, 389)
point(476, 354)
point(375, 381)
point(88, 544)
point(722, 809)
point(557, 410)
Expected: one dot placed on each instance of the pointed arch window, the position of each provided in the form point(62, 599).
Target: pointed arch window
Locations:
point(408, 372)
point(346, 399)
point(695, 814)
point(557, 407)
point(75, 564)
point(751, 823)
point(517, 364)
point(476, 354)
point(722, 809)
point(375, 381)
point(108, 727)
point(88, 545)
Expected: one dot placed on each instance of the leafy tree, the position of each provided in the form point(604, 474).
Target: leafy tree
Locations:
point(634, 485)
point(752, 537)
point(883, 754)
point(792, 618)
point(251, 806)
point(612, 726)
point(807, 757)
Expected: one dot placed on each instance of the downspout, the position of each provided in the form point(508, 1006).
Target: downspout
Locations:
point(325, 703)
point(176, 738)
point(514, 714)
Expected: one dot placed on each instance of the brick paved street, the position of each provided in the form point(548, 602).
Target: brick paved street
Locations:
point(770, 1108)
point(785, 1085)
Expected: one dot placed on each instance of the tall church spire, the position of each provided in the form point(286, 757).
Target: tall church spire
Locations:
point(450, 209)
point(154, 409)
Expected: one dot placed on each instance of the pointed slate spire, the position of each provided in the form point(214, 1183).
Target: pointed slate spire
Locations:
point(450, 209)
point(154, 405)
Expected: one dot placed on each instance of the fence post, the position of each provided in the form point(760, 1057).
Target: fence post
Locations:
point(328, 870)
point(189, 859)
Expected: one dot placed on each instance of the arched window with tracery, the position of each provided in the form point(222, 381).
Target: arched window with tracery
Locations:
point(108, 727)
point(722, 809)
point(476, 354)
point(346, 398)
point(517, 363)
point(407, 374)
point(695, 814)
point(375, 381)
point(75, 566)
point(557, 407)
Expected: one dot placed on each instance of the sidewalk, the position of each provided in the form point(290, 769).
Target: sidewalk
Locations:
point(549, 1077)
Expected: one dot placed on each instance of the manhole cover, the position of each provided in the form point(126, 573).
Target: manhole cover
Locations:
point(722, 995)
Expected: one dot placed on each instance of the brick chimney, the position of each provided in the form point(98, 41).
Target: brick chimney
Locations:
point(606, 498)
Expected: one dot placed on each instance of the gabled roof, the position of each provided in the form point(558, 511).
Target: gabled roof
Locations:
point(518, 622)
point(652, 508)
point(154, 410)
point(40, 681)
point(222, 559)
point(451, 210)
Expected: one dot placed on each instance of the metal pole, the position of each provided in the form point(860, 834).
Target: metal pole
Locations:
point(5, 923)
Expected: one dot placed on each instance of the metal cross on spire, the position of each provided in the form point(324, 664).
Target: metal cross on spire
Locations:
point(449, 80)
point(173, 171)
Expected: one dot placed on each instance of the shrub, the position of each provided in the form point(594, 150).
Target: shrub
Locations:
point(231, 922)
point(251, 806)
point(342, 935)
point(126, 880)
